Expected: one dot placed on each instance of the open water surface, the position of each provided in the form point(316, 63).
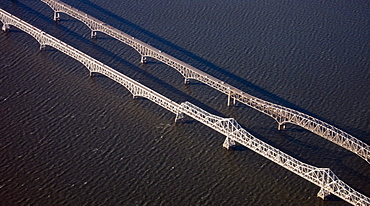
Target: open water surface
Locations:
point(69, 139)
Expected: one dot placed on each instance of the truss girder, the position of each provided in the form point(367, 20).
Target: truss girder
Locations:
point(91, 64)
point(323, 177)
point(281, 114)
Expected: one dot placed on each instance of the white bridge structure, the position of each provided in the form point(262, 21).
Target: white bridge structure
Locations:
point(281, 114)
point(328, 182)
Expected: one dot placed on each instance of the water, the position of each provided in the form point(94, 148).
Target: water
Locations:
point(68, 139)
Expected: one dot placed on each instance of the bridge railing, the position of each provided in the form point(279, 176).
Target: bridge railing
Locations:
point(281, 114)
point(324, 178)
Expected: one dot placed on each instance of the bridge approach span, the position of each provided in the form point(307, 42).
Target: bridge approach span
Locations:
point(281, 114)
point(90, 63)
point(322, 177)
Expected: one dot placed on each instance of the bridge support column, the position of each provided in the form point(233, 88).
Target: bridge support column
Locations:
point(56, 16)
point(5, 27)
point(228, 143)
point(42, 47)
point(143, 60)
point(229, 100)
point(281, 126)
point(93, 34)
point(323, 193)
point(179, 116)
point(186, 81)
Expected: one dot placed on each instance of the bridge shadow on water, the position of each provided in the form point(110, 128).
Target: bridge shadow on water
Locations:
point(140, 70)
point(201, 61)
point(337, 158)
point(262, 93)
point(135, 70)
point(216, 70)
point(159, 84)
point(182, 95)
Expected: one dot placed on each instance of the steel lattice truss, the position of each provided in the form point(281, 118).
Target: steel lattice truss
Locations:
point(323, 177)
point(281, 114)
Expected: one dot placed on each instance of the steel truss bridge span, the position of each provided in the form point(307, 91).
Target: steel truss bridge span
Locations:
point(322, 177)
point(281, 114)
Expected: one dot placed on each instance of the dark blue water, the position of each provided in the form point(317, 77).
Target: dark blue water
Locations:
point(69, 139)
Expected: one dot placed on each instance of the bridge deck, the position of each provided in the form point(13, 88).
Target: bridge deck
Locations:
point(323, 177)
point(281, 114)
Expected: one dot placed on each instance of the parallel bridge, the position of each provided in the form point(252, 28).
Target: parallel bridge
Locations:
point(281, 114)
point(322, 177)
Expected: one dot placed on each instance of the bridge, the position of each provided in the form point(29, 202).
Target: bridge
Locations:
point(281, 114)
point(322, 177)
